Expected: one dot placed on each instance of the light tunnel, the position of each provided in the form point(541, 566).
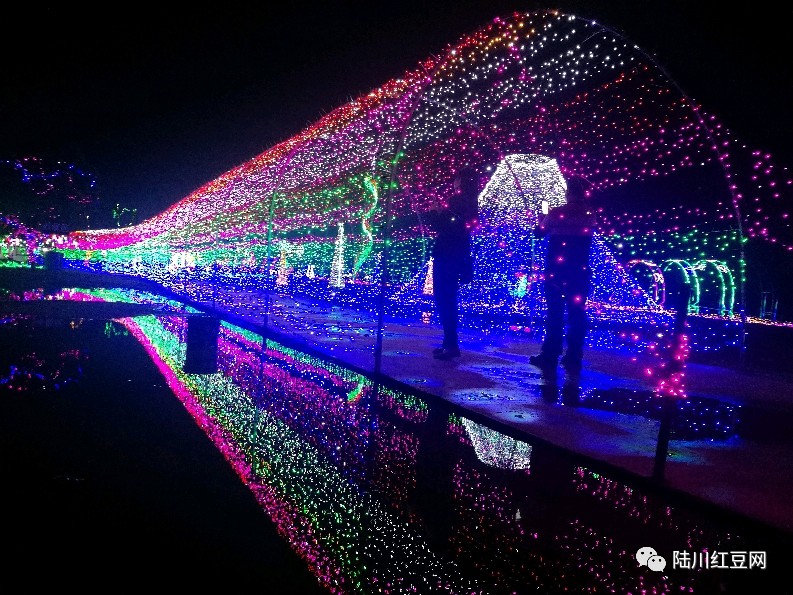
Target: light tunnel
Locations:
point(334, 215)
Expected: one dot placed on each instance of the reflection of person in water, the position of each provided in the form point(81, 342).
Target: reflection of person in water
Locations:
point(433, 499)
point(533, 505)
point(569, 393)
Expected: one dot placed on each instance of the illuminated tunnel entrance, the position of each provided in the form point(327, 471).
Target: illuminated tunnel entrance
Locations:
point(335, 216)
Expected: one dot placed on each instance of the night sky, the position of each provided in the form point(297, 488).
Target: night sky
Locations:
point(156, 104)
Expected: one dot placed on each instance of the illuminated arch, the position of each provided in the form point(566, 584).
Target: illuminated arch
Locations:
point(689, 276)
point(726, 283)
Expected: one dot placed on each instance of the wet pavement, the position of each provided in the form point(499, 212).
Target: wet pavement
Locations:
point(733, 448)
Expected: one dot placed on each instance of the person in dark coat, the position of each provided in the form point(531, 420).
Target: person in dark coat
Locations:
point(451, 254)
point(569, 229)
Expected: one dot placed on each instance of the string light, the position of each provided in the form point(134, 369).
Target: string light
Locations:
point(333, 459)
point(525, 99)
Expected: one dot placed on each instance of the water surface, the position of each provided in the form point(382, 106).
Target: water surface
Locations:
point(284, 470)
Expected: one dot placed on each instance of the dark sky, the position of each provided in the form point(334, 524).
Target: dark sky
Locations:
point(156, 103)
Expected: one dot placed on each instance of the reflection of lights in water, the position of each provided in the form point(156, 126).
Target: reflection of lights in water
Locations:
point(334, 468)
point(285, 453)
point(496, 449)
point(48, 369)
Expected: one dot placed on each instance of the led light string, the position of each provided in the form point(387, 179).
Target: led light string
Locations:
point(302, 218)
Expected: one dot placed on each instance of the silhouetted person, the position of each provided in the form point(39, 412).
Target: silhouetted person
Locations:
point(569, 229)
point(451, 254)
